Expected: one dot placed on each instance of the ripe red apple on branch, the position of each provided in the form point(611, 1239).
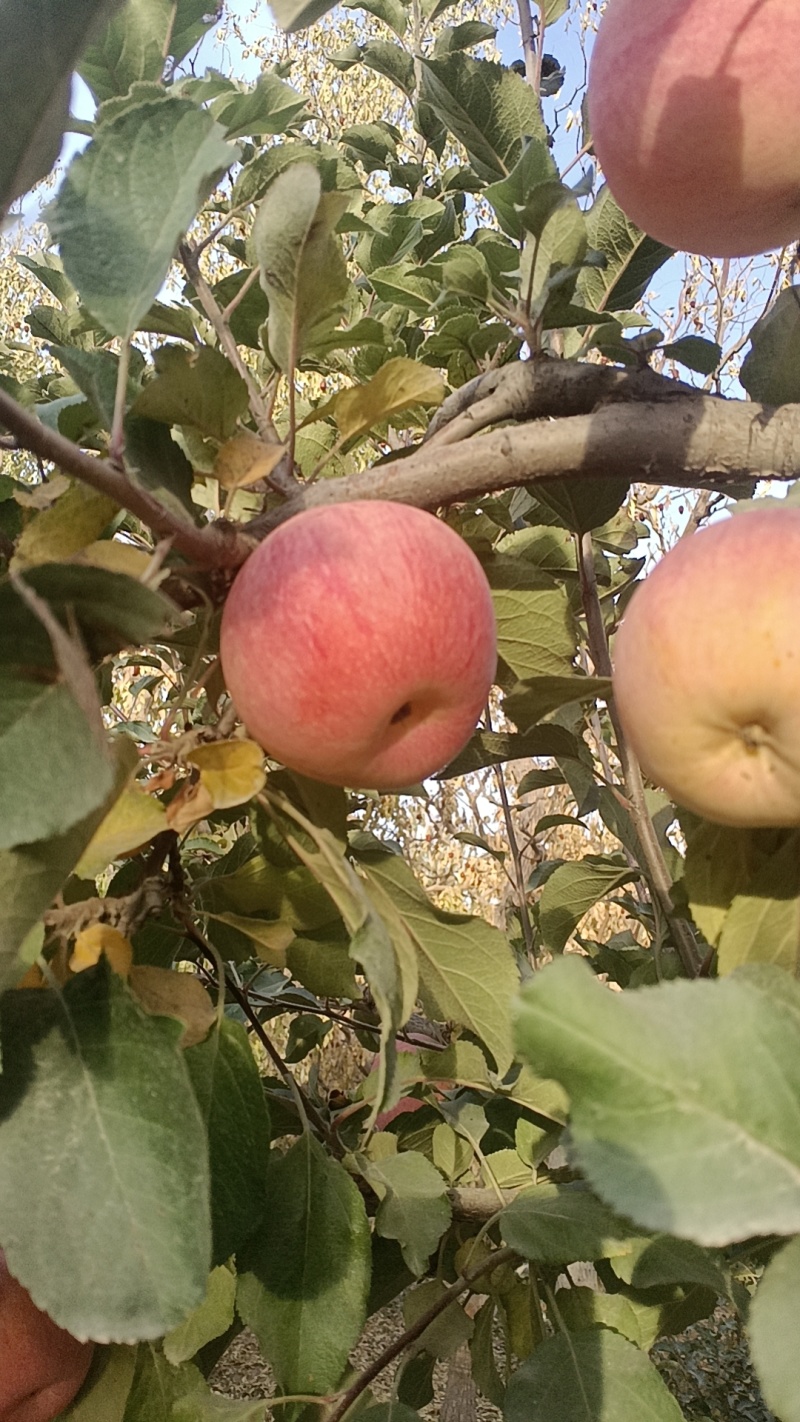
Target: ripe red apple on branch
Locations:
point(358, 643)
point(41, 1366)
point(694, 107)
point(707, 670)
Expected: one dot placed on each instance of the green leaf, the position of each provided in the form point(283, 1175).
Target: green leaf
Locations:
point(209, 1320)
point(555, 1224)
point(110, 611)
point(208, 1406)
point(101, 1139)
point(198, 387)
point(594, 1376)
point(323, 966)
point(771, 368)
point(402, 284)
point(40, 43)
point(535, 626)
point(269, 106)
point(156, 462)
point(484, 1363)
point(389, 1412)
point(719, 862)
point(582, 1308)
point(465, 271)
point(552, 256)
point(631, 258)
point(486, 107)
point(301, 260)
point(135, 45)
point(105, 1395)
point(159, 1389)
point(228, 1088)
point(493, 748)
point(464, 36)
point(399, 385)
point(392, 12)
point(392, 61)
point(386, 958)
point(54, 770)
point(32, 874)
point(684, 1096)
point(772, 1331)
point(467, 970)
point(530, 701)
point(535, 168)
point(695, 353)
point(582, 504)
point(294, 15)
point(414, 1207)
point(95, 373)
point(572, 889)
point(653, 1263)
point(303, 1289)
point(763, 922)
point(128, 198)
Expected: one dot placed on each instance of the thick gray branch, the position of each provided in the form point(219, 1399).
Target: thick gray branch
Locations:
point(688, 442)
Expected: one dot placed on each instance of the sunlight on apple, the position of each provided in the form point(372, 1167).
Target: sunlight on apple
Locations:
point(358, 643)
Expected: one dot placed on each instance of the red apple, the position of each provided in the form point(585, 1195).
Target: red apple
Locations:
point(694, 109)
point(707, 670)
point(358, 644)
point(41, 1366)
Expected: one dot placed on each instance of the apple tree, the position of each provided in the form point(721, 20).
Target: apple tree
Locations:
point(247, 311)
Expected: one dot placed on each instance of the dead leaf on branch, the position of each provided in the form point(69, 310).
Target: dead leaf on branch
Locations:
point(230, 774)
point(96, 940)
point(165, 993)
point(245, 459)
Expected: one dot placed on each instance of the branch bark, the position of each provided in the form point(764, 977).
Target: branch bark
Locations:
point(219, 545)
point(689, 442)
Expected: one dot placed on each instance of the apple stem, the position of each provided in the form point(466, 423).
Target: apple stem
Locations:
point(653, 861)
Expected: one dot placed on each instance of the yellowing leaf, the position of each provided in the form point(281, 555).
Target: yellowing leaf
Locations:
point(119, 557)
point(245, 459)
point(34, 978)
point(41, 496)
point(97, 939)
point(133, 821)
point(398, 385)
point(192, 803)
point(231, 773)
point(165, 993)
point(271, 939)
point(67, 526)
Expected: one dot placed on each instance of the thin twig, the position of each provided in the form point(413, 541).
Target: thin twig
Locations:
point(116, 445)
point(207, 300)
point(516, 859)
point(398, 1346)
point(653, 859)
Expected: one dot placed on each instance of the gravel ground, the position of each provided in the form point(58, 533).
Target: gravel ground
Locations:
point(706, 1368)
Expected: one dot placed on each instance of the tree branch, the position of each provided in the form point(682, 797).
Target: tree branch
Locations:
point(219, 545)
point(689, 442)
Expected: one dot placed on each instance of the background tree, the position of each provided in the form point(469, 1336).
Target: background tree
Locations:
point(365, 274)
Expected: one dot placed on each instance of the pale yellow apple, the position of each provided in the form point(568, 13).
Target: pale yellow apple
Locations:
point(694, 110)
point(707, 670)
point(358, 643)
